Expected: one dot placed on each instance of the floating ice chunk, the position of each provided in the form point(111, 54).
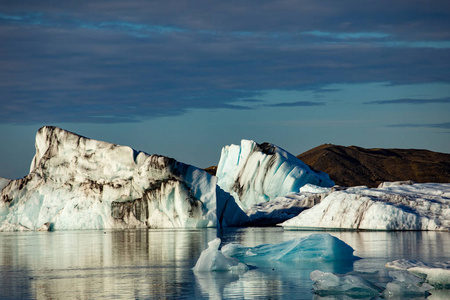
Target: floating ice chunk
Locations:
point(396, 207)
point(255, 173)
point(406, 285)
point(212, 259)
point(330, 284)
point(315, 247)
point(437, 274)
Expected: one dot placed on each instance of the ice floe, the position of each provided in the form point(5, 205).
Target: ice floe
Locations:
point(326, 284)
point(437, 274)
point(424, 206)
point(402, 285)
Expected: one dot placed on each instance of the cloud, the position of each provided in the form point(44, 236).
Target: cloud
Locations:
point(348, 35)
point(125, 61)
point(295, 104)
point(436, 125)
point(410, 101)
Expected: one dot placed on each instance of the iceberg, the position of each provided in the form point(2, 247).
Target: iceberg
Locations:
point(319, 247)
point(315, 247)
point(80, 183)
point(255, 173)
point(212, 259)
point(436, 274)
point(423, 206)
point(327, 284)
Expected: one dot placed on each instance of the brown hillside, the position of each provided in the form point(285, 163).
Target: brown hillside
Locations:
point(352, 166)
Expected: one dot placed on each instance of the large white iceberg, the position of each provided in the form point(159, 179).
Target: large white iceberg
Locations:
point(255, 173)
point(393, 207)
point(437, 274)
point(80, 183)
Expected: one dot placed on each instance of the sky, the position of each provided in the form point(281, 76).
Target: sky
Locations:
point(186, 78)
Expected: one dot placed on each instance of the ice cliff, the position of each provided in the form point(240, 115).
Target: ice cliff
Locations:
point(393, 206)
point(80, 183)
point(255, 173)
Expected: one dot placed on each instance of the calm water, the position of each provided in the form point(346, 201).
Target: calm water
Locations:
point(155, 264)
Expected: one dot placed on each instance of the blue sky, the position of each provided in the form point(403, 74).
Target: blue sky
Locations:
point(185, 78)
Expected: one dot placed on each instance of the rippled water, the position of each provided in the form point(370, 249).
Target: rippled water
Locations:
point(155, 264)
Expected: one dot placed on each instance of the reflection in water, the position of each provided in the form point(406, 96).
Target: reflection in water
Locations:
point(157, 263)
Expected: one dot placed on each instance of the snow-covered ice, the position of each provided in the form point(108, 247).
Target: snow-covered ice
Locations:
point(80, 183)
point(255, 173)
point(424, 206)
point(437, 274)
point(212, 259)
point(326, 284)
point(315, 247)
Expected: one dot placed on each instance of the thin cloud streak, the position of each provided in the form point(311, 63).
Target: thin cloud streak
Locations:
point(411, 101)
point(437, 125)
point(296, 104)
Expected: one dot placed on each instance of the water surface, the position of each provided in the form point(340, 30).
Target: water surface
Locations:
point(155, 264)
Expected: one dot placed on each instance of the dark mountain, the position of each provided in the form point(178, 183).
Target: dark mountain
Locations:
point(352, 166)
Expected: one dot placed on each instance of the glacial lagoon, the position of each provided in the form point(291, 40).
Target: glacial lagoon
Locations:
point(157, 264)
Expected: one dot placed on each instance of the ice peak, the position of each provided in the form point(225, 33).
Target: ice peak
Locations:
point(255, 173)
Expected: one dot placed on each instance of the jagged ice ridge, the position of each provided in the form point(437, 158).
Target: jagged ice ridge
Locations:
point(80, 183)
point(255, 173)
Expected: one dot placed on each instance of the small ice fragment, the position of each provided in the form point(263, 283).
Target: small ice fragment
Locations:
point(437, 274)
point(212, 259)
point(406, 284)
point(330, 284)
